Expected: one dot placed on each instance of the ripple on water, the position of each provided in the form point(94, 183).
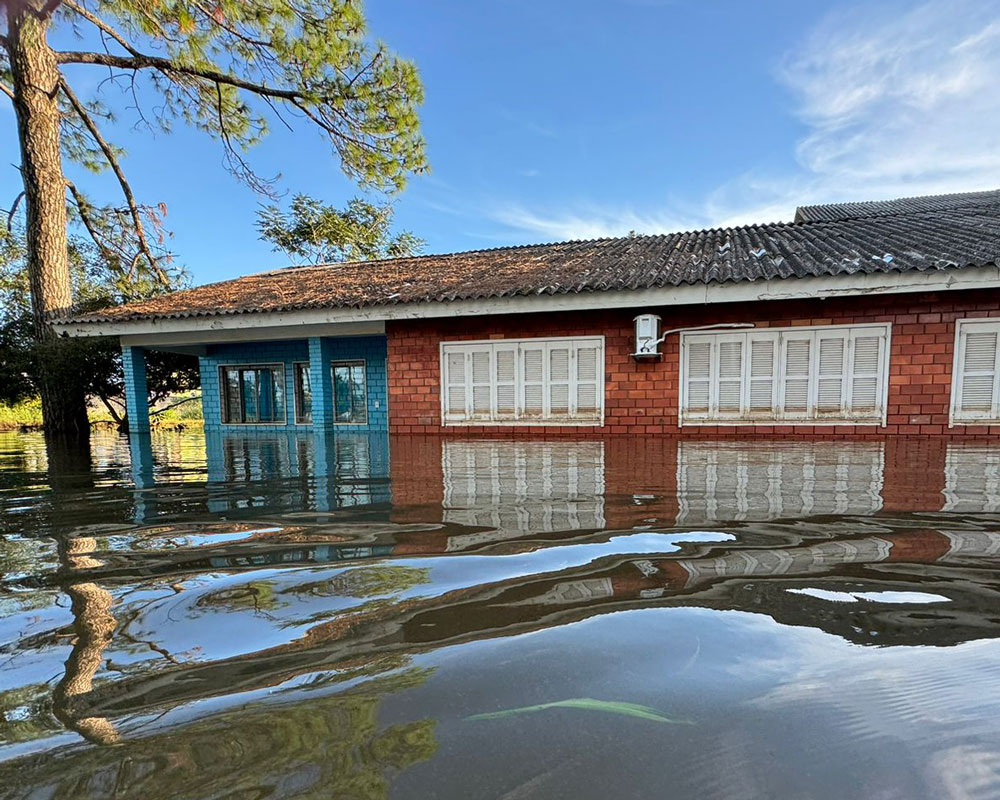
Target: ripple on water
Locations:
point(284, 617)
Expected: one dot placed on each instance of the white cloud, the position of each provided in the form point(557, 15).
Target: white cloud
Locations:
point(896, 101)
point(590, 223)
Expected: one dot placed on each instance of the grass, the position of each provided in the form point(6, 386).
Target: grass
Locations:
point(21, 416)
point(176, 415)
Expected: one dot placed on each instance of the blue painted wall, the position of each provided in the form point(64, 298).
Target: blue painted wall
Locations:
point(320, 352)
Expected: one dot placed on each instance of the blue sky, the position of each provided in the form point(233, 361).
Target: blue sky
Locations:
point(553, 120)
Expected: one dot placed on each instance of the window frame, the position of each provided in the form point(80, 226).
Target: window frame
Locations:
point(223, 388)
point(297, 392)
point(597, 340)
point(348, 362)
point(684, 418)
point(958, 351)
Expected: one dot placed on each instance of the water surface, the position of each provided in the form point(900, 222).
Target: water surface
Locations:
point(285, 617)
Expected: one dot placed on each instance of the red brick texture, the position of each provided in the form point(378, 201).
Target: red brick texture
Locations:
point(642, 397)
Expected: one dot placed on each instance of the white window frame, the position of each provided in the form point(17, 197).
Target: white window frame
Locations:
point(491, 420)
point(348, 362)
point(279, 365)
point(955, 410)
point(685, 418)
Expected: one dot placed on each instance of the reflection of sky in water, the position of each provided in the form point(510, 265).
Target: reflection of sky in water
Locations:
point(824, 614)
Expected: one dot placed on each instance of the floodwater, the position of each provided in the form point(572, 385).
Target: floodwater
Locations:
point(353, 617)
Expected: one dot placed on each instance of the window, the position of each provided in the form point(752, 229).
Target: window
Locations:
point(350, 393)
point(824, 375)
point(524, 381)
point(975, 391)
point(303, 394)
point(253, 394)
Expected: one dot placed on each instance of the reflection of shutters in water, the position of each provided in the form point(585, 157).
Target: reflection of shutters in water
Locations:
point(972, 478)
point(523, 380)
point(736, 481)
point(977, 394)
point(514, 488)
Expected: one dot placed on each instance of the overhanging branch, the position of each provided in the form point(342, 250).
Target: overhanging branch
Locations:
point(83, 208)
point(112, 159)
point(165, 65)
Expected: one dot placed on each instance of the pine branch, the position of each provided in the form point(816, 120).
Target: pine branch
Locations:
point(7, 90)
point(168, 67)
point(102, 25)
point(13, 211)
point(109, 154)
point(83, 207)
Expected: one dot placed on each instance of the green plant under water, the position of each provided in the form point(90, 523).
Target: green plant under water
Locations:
point(589, 704)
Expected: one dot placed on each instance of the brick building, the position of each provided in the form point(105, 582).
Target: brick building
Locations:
point(858, 320)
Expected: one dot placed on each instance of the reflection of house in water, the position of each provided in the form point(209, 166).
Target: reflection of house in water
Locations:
point(333, 471)
point(766, 480)
point(972, 478)
point(513, 488)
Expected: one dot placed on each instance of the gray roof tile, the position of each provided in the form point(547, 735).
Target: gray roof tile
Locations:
point(920, 234)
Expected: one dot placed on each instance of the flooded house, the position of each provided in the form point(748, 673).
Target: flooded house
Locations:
point(855, 320)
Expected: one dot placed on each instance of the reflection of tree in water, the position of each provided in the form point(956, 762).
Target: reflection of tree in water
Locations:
point(325, 747)
point(94, 626)
point(371, 581)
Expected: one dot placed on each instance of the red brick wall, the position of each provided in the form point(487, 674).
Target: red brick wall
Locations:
point(642, 397)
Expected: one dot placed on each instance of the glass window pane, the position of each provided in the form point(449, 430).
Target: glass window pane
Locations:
point(303, 396)
point(249, 377)
point(231, 388)
point(277, 398)
point(349, 394)
point(265, 392)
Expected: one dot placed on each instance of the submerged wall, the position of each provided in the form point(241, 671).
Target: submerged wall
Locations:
point(642, 397)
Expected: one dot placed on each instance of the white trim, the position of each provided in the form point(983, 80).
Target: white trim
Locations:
point(554, 423)
point(776, 377)
point(958, 351)
point(331, 321)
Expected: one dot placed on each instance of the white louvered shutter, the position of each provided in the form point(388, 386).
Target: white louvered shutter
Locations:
point(796, 361)
point(760, 396)
point(698, 382)
point(588, 372)
point(831, 375)
point(729, 400)
point(455, 384)
point(505, 380)
point(866, 378)
point(532, 381)
point(480, 404)
point(977, 385)
point(558, 375)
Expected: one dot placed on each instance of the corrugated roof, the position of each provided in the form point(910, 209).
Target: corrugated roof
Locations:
point(901, 205)
point(965, 235)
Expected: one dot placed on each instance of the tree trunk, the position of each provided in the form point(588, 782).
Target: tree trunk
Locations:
point(35, 76)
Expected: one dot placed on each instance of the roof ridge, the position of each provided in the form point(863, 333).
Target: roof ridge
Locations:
point(750, 226)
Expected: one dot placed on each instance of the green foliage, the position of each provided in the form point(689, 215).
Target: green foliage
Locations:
point(320, 233)
point(215, 65)
point(322, 746)
point(365, 581)
point(15, 416)
point(97, 284)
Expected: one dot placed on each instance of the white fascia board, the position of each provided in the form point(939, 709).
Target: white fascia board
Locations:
point(339, 321)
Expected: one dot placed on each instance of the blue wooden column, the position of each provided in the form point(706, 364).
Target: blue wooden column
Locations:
point(322, 385)
point(136, 394)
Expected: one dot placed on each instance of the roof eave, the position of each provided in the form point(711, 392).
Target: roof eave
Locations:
point(372, 319)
